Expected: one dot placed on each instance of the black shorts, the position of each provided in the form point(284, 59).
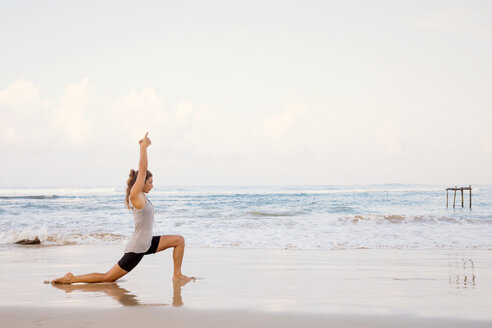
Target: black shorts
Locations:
point(130, 260)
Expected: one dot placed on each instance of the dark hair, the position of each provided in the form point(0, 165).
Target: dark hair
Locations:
point(131, 181)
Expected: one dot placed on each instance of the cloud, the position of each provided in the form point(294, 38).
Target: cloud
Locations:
point(185, 130)
point(139, 112)
point(20, 93)
point(8, 134)
point(277, 126)
point(487, 143)
point(456, 19)
point(183, 113)
point(23, 112)
point(210, 130)
point(390, 136)
point(69, 115)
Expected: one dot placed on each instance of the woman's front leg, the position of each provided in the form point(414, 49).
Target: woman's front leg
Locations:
point(179, 245)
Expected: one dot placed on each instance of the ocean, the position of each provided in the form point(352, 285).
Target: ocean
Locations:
point(267, 217)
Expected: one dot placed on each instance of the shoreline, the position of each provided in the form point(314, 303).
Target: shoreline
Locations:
point(122, 244)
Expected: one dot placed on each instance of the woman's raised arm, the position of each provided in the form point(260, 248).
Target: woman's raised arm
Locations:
point(136, 195)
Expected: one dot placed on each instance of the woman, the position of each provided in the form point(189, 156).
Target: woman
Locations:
point(142, 242)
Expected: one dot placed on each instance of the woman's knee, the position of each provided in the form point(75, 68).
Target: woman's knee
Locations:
point(180, 240)
point(109, 277)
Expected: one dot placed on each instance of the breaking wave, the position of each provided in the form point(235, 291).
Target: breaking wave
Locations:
point(402, 219)
point(30, 197)
point(59, 239)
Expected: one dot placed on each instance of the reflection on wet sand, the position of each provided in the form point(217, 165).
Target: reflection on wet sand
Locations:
point(177, 299)
point(463, 274)
point(122, 295)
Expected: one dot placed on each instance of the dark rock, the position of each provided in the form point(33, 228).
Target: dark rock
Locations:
point(29, 241)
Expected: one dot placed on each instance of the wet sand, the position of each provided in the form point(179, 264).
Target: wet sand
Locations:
point(342, 288)
point(184, 318)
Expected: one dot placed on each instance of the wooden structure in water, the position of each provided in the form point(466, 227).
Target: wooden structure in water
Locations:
point(455, 189)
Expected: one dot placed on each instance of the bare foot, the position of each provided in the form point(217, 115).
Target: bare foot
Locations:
point(182, 277)
point(66, 279)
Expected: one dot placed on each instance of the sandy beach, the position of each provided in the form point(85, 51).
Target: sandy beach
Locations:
point(251, 287)
point(152, 317)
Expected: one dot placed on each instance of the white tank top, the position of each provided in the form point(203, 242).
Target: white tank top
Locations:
point(142, 236)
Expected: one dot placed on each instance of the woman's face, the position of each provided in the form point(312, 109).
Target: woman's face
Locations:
point(148, 185)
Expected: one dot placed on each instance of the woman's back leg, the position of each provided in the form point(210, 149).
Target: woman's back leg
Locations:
point(115, 273)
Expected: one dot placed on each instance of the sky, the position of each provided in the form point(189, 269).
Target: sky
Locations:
point(246, 93)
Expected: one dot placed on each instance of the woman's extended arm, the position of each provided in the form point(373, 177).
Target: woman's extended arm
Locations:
point(136, 195)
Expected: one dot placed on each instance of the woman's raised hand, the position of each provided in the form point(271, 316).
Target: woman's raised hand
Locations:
point(145, 142)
